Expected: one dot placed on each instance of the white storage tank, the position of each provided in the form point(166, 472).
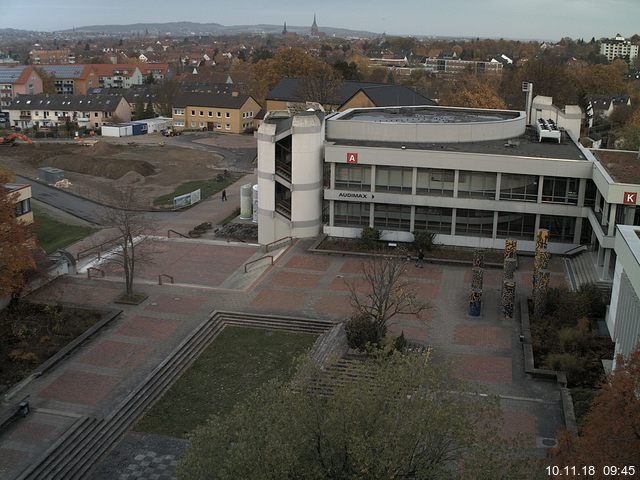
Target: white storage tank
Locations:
point(245, 202)
point(254, 192)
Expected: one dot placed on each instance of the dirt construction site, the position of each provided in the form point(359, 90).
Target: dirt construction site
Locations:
point(92, 171)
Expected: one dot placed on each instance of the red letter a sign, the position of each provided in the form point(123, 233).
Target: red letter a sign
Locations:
point(352, 158)
point(630, 198)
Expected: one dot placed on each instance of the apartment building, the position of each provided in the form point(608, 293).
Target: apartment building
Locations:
point(88, 111)
point(618, 47)
point(59, 56)
point(18, 80)
point(72, 79)
point(118, 75)
point(228, 113)
point(22, 200)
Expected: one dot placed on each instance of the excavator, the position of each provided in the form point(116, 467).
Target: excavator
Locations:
point(10, 140)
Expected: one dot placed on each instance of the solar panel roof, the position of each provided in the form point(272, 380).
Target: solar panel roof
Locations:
point(64, 71)
point(10, 74)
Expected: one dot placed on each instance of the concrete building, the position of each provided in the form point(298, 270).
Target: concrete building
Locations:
point(118, 75)
point(18, 80)
point(623, 315)
point(473, 177)
point(88, 111)
point(58, 56)
point(455, 66)
point(72, 79)
point(569, 118)
point(228, 113)
point(618, 47)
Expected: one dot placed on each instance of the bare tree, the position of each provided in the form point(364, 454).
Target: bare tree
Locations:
point(321, 83)
point(127, 218)
point(388, 292)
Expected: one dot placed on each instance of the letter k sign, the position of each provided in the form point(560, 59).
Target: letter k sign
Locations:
point(630, 198)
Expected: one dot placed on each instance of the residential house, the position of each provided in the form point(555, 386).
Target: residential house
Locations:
point(18, 80)
point(159, 71)
point(119, 75)
point(88, 111)
point(229, 113)
point(59, 56)
point(291, 91)
point(603, 105)
point(22, 200)
point(72, 79)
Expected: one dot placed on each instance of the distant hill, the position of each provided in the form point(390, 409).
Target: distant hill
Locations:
point(194, 28)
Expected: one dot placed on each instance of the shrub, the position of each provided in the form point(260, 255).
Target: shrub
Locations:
point(569, 363)
point(594, 299)
point(424, 241)
point(370, 236)
point(400, 343)
point(362, 332)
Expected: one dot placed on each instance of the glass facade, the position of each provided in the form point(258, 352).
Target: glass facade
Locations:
point(522, 188)
point(560, 190)
point(475, 223)
point(477, 184)
point(561, 229)
point(393, 179)
point(392, 217)
point(435, 182)
point(433, 219)
point(353, 177)
point(516, 225)
point(351, 214)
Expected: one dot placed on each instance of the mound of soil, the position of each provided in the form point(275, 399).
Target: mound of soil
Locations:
point(129, 178)
point(107, 167)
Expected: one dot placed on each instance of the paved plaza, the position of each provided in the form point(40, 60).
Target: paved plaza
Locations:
point(98, 375)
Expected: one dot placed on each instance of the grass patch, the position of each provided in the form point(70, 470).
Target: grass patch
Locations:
point(234, 365)
point(207, 188)
point(53, 234)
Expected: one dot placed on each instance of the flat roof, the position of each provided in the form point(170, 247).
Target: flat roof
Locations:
point(622, 165)
point(522, 146)
point(427, 114)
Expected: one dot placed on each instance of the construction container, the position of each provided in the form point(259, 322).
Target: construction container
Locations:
point(139, 128)
point(50, 175)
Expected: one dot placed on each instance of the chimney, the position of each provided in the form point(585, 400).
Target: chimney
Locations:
point(234, 94)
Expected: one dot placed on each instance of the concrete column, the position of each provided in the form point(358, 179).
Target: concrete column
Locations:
point(540, 185)
point(453, 221)
point(373, 178)
point(372, 207)
point(331, 212)
point(596, 207)
point(613, 208)
point(604, 273)
point(498, 184)
point(578, 230)
point(456, 180)
point(332, 180)
point(412, 222)
point(414, 182)
point(494, 232)
point(537, 225)
point(629, 214)
point(582, 188)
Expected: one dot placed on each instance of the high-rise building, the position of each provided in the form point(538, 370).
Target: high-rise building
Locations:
point(618, 47)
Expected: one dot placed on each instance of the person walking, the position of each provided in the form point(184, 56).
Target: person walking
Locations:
point(420, 259)
point(224, 195)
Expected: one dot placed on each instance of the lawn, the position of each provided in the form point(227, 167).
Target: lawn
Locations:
point(235, 364)
point(207, 188)
point(52, 234)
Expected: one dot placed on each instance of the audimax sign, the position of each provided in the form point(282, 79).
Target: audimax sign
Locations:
point(363, 196)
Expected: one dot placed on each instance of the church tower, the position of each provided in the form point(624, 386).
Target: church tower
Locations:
point(314, 27)
point(284, 30)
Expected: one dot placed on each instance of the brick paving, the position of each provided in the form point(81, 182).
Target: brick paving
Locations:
point(112, 354)
point(481, 368)
point(482, 336)
point(147, 327)
point(80, 387)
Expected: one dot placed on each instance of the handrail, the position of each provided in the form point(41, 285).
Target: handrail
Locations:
point(99, 247)
point(257, 260)
point(164, 275)
point(96, 269)
point(573, 251)
point(177, 233)
point(268, 245)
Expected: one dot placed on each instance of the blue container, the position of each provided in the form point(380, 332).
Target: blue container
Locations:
point(140, 128)
point(475, 308)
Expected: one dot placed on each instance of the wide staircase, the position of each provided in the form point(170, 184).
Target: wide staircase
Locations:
point(74, 454)
point(582, 271)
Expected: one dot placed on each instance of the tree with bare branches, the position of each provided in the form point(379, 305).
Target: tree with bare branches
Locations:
point(133, 232)
point(388, 293)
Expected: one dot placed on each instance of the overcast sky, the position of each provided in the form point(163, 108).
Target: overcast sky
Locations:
point(540, 19)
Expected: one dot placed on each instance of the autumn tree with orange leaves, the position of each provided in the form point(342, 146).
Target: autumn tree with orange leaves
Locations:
point(472, 91)
point(17, 246)
point(611, 433)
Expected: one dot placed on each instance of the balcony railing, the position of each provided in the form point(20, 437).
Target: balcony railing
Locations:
point(284, 170)
point(283, 207)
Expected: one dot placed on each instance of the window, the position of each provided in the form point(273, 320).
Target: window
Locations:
point(475, 223)
point(561, 229)
point(193, 113)
point(227, 127)
point(477, 184)
point(179, 123)
point(23, 207)
point(393, 179)
point(201, 124)
point(351, 214)
point(227, 115)
point(435, 182)
point(392, 217)
point(433, 219)
point(201, 113)
point(560, 190)
point(210, 113)
point(193, 124)
point(95, 114)
point(516, 225)
point(522, 188)
point(353, 177)
point(178, 111)
point(218, 114)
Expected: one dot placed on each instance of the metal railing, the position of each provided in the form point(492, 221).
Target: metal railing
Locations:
point(91, 269)
point(575, 250)
point(270, 245)
point(100, 248)
point(257, 260)
point(176, 232)
point(164, 275)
